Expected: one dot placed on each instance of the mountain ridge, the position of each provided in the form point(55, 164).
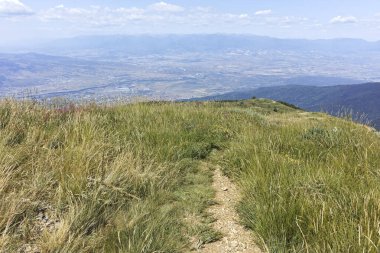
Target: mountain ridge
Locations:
point(360, 98)
point(174, 43)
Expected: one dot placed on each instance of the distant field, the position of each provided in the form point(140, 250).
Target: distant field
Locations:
point(134, 177)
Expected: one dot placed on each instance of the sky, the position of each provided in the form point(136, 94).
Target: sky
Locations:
point(29, 21)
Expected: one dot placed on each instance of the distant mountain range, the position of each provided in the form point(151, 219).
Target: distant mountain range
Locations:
point(360, 98)
point(213, 43)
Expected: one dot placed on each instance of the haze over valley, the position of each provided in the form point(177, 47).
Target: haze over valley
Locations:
point(169, 67)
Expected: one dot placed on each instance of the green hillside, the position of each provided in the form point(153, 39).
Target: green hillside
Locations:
point(360, 99)
point(137, 177)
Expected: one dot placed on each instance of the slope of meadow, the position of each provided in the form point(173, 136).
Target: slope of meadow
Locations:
point(134, 177)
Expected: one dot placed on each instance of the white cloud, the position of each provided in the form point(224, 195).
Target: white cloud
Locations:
point(94, 15)
point(343, 20)
point(243, 16)
point(166, 7)
point(284, 21)
point(13, 7)
point(263, 12)
point(164, 16)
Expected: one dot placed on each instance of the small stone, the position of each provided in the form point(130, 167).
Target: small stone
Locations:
point(234, 244)
point(224, 189)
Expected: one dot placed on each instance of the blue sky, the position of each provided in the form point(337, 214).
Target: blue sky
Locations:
point(23, 21)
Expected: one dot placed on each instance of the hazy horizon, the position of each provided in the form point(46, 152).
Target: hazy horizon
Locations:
point(30, 46)
point(48, 46)
point(31, 22)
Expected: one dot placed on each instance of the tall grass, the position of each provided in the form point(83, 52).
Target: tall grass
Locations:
point(105, 179)
point(310, 184)
point(131, 177)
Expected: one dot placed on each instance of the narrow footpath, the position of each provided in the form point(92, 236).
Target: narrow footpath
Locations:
point(236, 238)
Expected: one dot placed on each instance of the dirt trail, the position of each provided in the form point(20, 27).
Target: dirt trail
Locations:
point(236, 238)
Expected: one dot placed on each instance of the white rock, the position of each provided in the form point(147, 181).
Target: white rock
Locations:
point(234, 244)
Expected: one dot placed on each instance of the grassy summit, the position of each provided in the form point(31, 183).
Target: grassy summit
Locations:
point(137, 177)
